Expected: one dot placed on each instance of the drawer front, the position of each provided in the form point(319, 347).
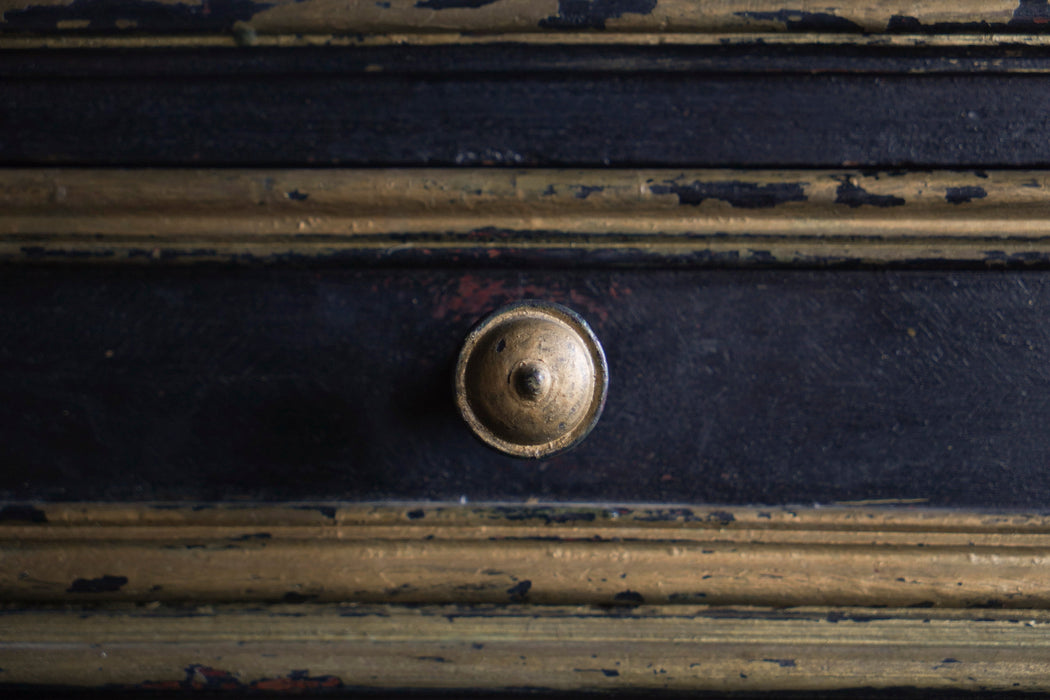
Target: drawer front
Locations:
point(242, 246)
point(307, 383)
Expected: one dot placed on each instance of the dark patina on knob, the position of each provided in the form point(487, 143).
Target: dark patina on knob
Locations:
point(531, 379)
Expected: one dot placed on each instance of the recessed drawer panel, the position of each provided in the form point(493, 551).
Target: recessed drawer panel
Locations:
point(725, 386)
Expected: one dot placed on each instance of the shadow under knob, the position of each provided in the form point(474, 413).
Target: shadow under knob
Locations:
point(531, 379)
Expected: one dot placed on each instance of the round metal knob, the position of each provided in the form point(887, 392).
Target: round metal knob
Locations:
point(531, 379)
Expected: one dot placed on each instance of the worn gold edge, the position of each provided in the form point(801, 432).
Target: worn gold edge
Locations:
point(551, 555)
point(904, 515)
point(246, 39)
point(784, 215)
point(311, 647)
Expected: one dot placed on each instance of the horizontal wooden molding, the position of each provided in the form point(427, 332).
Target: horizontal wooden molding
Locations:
point(557, 555)
point(318, 647)
point(562, 21)
point(488, 215)
point(323, 596)
point(244, 36)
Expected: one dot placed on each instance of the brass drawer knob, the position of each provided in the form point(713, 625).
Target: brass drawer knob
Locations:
point(531, 379)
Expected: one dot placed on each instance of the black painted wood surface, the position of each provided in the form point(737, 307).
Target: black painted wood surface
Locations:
point(746, 386)
point(529, 107)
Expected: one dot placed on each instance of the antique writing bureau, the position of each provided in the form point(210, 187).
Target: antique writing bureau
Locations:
point(244, 243)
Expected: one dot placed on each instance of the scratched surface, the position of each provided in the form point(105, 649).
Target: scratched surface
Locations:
point(281, 383)
point(200, 108)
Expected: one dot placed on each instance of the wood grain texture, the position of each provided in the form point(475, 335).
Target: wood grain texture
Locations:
point(764, 217)
point(616, 556)
point(687, 648)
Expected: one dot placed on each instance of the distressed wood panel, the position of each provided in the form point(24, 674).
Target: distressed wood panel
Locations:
point(562, 17)
point(312, 648)
point(614, 556)
point(805, 217)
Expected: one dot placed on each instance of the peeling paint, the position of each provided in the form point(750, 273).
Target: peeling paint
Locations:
point(742, 195)
point(103, 584)
point(584, 191)
point(853, 195)
point(252, 536)
point(1029, 16)
point(201, 677)
point(629, 597)
point(453, 4)
point(141, 15)
point(593, 14)
point(801, 21)
point(546, 514)
point(961, 195)
point(520, 590)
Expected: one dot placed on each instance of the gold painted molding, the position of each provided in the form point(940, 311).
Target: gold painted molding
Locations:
point(243, 36)
point(564, 555)
point(318, 647)
point(722, 216)
point(299, 597)
point(545, 21)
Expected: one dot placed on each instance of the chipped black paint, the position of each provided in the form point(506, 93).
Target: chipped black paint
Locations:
point(961, 195)
point(548, 515)
point(453, 4)
point(853, 195)
point(837, 616)
point(593, 14)
point(800, 21)
point(607, 672)
point(742, 195)
point(629, 597)
point(137, 15)
point(200, 677)
point(783, 663)
point(103, 584)
point(297, 196)
point(1030, 16)
point(19, 513)
point(326, 511)
point(435, 659)
point(687, 515)
point(416, 514)
point(253, 536)
point(584, 191)
point(519, 591)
